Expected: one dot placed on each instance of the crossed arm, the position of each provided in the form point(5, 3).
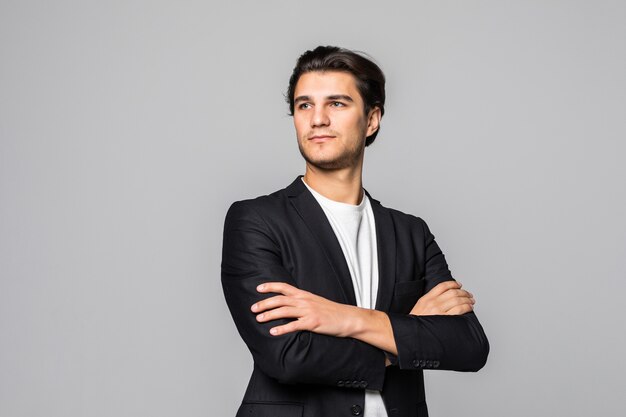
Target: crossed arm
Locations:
point(329, 342)
point(320, 315)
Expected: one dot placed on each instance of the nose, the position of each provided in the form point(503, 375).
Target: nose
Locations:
point(320, 117)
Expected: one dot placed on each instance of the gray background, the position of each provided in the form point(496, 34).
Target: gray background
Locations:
point(128, 127)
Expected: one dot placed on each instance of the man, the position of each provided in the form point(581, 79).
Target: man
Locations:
point(341, 301)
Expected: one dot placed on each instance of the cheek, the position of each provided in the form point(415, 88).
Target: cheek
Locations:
point(352, 120)
point(356, 126)
point(300, 126)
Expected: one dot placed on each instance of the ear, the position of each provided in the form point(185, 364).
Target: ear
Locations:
point(373, 121)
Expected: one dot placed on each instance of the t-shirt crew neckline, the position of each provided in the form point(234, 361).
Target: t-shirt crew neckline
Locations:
point(338, 204)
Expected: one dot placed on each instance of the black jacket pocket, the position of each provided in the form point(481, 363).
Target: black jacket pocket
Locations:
point(406, 294)
point(407, 288)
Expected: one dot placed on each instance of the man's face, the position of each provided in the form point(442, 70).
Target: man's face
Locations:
point(330, 121)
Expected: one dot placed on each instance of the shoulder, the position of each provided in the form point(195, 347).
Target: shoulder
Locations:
point(258, 207)
point(403, 221)
point(407, 219)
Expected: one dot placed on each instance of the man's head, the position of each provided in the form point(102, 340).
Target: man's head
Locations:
point(368, 77)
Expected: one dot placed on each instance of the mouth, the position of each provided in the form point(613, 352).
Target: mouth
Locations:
point(321, 138)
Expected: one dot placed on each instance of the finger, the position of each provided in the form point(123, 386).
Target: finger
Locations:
point(278, 313)
point(292, 326)
point(453, 293)
point(443, 287)
point(447, 294)
point(461, 309)
point(278, 287)
point(272, 302)
point(455, 302)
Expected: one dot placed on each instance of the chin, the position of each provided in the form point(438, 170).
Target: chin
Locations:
point(329, 163)
point(326, 159)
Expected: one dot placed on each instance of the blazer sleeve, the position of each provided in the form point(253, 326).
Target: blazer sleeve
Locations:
point(440, 341)
point(251, 256)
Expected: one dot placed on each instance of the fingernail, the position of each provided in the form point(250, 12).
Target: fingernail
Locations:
point(273, 331)
point(260, 287)
point(260, 316)
point(255, 307)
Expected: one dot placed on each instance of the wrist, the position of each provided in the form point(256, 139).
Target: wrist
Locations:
point(373, 327)
point(357, 319)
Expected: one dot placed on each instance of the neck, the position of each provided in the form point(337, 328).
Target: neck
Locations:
point(343, 185)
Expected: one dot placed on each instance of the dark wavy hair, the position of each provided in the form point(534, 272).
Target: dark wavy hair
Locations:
point(370, 80)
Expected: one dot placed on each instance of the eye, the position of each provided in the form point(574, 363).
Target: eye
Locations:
point(304, 106)
point(337, 104)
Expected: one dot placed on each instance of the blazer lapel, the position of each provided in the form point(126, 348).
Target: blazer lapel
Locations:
point(314, 217)
point(386, 246)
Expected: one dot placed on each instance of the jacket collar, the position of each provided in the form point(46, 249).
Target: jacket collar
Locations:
point(314, 217)
point(297, 187)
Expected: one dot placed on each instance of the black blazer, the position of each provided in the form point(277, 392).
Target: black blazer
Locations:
point(285, 236)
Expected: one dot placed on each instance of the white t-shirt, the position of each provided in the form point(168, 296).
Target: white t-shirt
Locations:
point(356, 232)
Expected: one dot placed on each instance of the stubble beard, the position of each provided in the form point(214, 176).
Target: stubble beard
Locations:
point(348, 157)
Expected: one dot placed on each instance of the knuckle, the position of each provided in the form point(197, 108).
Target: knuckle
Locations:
point(303, 294)
point(301, 325)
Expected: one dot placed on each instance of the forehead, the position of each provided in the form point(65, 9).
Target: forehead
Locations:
point(326, 83)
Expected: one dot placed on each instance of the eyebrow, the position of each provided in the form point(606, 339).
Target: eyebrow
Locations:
point(333, 97)
point(340, 97)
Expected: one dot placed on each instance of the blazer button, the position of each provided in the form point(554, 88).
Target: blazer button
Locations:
point(340, 383)
point(355, 384)
point(416, 363)
point(422, 363)
point(356, 410)
point(363, 384)
point(435, 364)
point(429, 364)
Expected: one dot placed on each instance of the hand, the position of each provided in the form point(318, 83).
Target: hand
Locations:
point(313, 313)
point(446, 298)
